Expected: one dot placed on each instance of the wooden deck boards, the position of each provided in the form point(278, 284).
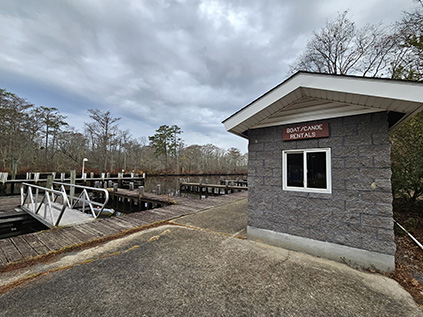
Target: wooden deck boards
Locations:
point(35, 243)
point(10, 252)
point(29, 245)
point(23, 246)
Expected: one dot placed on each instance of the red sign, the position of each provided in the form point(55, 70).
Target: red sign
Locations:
point(308, 131)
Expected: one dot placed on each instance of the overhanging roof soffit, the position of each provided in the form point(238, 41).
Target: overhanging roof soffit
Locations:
point(308, 96)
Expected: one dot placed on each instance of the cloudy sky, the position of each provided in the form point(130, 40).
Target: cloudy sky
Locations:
point(191, 63)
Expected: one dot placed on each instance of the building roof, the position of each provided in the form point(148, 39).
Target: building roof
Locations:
point(312, 96)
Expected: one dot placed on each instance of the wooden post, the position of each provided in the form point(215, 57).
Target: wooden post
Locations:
point(49, 183)
point(141, 190)
point(72, 182)
point(14, 168)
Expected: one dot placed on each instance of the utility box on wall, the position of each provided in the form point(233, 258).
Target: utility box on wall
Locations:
point(319, 172)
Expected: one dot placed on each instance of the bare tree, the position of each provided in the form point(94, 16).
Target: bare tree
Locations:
point(17, 139)
point(341, 48)
point(52, 122)
point(102, 132)
point(408, 63)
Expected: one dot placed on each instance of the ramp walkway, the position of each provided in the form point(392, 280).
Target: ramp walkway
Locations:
point(25, 247)
point(62, 206)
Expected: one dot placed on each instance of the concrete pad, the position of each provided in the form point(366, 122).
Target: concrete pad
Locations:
point(230, 218)
point(180, 271)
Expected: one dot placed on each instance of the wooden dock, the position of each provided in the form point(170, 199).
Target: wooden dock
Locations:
point(210, 189)
point(14, 221)
point(12, 186)
point(27, 246)
point(129, 201)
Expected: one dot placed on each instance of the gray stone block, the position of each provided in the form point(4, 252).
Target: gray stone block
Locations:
point(360, 139)
point(345, 151)
point(338, 163)
point(253, 146)
point(264, 172)
point(377, 221)
point(380, 138)
point(382, 246)
point(376, 174)
point(358, 161)
point(338, 184)
point(349, 239)
point(356, 119)
point(264, 155)
point(385, 210)
point(385, 234)
point(308, 222)
point(273, 181)
point(376, 196)
point(331, 142)
point(343, 130)
point(254, 163)
point(321, 235)
point(255, 180)
point(375, 150)
point(383, 160)
point(347, 195)
point(349, 217)
point(359, 208)
point(299, 231)
point(270, 146)
point(277, 172)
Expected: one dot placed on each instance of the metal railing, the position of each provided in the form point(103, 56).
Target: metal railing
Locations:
point(31, 202)
point(41, 201)
point(83, 200)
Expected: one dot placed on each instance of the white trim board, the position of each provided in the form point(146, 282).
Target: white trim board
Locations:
point(354, 95)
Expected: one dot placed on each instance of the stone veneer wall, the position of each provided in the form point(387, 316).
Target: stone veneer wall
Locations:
point(357, 214)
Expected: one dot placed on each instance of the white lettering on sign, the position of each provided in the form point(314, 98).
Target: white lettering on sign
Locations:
point(302, 135)
point(310, 131)
point(306, 128)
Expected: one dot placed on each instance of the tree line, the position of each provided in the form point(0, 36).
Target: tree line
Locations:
point(394, 52)
point(34, 138)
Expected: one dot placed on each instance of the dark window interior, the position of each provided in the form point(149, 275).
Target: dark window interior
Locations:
point(295, 169)
point(316, 170)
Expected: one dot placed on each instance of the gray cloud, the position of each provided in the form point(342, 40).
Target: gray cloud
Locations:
point(191, 63)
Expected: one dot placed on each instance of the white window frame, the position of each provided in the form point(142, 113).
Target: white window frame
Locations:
point(327, 190)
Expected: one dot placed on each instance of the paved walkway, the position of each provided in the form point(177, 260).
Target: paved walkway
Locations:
point(194, 267)
point(28, 246)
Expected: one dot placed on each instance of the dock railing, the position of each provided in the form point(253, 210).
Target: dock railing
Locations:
point(83, 200)
point(48, 205)
point(35, 197)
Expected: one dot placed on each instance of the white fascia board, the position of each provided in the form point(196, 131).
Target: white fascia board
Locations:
point(376, 87)
point(260, 104)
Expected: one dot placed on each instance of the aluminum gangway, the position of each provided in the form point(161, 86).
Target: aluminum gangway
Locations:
point(63, 206)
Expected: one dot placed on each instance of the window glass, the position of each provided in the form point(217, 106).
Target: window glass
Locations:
point(307, 170)
point(316, 170)
point(295, 166)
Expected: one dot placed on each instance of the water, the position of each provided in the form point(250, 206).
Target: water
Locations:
point(169, 185)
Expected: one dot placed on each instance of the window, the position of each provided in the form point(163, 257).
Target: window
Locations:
point(307, 170)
